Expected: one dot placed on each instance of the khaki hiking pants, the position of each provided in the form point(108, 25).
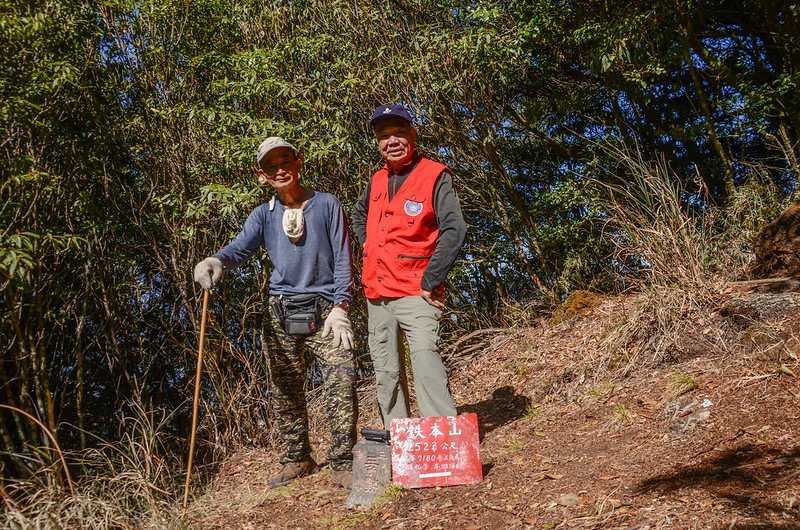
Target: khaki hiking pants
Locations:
point(419, 322)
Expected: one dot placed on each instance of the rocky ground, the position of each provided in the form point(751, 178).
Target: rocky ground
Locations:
point(604, 416)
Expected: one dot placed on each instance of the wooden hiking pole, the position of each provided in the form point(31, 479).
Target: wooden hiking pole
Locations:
point(196, 399)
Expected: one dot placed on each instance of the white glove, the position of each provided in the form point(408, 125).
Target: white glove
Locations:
point(208, 272)
point(338, 324)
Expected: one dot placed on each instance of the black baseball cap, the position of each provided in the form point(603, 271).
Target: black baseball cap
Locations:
point(389, 111)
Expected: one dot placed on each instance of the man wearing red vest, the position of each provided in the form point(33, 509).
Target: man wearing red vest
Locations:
point(410, 225)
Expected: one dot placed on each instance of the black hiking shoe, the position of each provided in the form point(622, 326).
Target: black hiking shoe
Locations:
point(293, 470)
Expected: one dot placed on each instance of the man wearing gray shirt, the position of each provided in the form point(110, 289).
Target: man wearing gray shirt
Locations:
point(307, 238)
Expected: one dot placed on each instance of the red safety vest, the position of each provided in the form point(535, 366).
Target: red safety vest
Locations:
point(401, 233)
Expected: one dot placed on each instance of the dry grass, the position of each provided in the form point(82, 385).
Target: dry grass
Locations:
point(128, 484)
point(674, 251)
point(49, 508)
point(659, 240)
point(240, 415)
point(653, 331)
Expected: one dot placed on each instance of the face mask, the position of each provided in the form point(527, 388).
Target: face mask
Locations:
point(293, 224)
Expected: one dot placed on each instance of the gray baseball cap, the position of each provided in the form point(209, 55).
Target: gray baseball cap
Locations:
point(273, 142)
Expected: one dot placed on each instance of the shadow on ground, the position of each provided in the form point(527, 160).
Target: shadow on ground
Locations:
point(742, 476)
point(504, 407)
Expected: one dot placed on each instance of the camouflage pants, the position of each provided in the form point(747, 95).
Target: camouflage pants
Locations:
point(287, 356)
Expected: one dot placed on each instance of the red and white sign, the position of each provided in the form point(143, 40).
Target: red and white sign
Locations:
point(436, 451)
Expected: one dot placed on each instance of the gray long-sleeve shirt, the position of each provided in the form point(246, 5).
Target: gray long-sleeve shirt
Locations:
point(320, 262)
point(452, 228)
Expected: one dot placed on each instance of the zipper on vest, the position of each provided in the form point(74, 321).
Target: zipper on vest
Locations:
point(407, 256)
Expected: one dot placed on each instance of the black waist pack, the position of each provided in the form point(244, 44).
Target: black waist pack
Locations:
point(300, 314)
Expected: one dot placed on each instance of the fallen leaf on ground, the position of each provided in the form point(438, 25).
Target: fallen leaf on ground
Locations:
point(547, 475)
point(568, 499)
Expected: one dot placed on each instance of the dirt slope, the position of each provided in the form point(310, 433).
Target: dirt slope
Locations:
point(579, 432)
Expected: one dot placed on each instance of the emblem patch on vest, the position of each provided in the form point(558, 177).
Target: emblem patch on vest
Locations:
point(413, 208)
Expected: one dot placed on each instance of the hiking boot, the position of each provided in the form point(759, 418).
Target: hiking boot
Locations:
point(343, 478)
point(293, 470)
